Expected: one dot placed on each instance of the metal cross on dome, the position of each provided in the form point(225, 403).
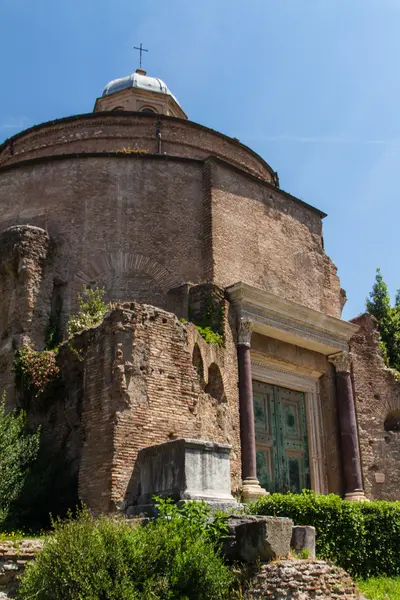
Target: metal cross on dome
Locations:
point(141, 50)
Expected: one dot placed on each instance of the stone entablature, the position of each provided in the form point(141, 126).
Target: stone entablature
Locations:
point(132, 132)
point(289, 321)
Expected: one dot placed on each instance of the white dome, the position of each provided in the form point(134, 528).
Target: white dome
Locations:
point(138, 80)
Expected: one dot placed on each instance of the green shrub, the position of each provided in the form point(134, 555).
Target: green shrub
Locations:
point(174, 557)
point(361, 537)
point(35, 371)
point(18, 452)
point(210, 336)
point(91, 312)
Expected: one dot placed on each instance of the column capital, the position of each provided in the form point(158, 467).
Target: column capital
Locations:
point(244, 330)
point(341, 361)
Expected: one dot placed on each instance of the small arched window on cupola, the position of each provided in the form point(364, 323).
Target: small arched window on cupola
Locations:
point(148, 109)
point(392, 421)
point(118, 108)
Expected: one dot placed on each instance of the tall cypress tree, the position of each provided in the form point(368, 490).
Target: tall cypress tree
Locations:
point(388, 317)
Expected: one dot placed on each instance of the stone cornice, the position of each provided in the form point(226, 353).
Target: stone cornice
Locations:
point(131, 117)
point(290, 322)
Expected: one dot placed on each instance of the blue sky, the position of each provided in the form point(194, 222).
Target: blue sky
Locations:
point(313, 86)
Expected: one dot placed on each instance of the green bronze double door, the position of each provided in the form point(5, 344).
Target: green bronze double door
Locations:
point(281, 438)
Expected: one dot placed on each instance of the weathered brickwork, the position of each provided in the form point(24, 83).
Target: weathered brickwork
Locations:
point(278, 246)
point(377, 393)
point(139, 226)
point(141, 388)
point(107, 132)
point(301, 580)
point(133, 227)
point(26, 286)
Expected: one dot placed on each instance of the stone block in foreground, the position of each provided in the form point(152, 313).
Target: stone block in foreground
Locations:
point(303, 538)
point(253, 538)
point(184, 469)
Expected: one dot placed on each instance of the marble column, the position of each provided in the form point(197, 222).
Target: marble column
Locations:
point(251, 489)
point(348, 428)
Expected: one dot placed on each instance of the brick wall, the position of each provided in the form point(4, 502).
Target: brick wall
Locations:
point(377, 393)
point(26, 286)
point(108, 132)
point(132, 226)
point(141, 388)
point(264, 238)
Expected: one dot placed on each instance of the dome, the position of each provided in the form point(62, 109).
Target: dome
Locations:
point(140, 80)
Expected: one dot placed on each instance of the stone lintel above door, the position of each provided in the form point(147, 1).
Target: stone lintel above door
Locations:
point(289, 321)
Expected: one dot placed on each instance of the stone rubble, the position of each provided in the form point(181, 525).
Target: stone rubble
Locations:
point(301, 580)
point(14, 556)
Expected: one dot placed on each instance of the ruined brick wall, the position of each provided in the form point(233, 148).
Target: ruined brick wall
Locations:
point(147, 379)
point(377, 394)
point(108, 132)
point(26, 285)
point(267, 239)
point(308, 364)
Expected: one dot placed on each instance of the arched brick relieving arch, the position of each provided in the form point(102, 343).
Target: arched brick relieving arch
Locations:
point(125, 271)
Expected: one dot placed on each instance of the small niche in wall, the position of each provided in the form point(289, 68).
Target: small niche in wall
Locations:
point(198, 363)
point(215, 385)
point(392, 421)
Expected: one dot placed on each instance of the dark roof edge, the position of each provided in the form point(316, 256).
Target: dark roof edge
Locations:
point(122, 114)
point(165, 157)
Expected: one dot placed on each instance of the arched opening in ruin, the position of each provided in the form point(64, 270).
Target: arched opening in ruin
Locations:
point(215, 385)
point(392, 421)
point(198, 363)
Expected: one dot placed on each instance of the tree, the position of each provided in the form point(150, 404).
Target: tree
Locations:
point(388, 318)
point(19, 449)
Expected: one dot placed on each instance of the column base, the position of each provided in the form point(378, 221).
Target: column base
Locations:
point(357, 496)
point(252, 490)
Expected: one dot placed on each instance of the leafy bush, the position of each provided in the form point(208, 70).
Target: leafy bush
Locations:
point(18, 452)
point(172, 558)
point(91, 312)
point(35, 370)
point(210, 336)
point(361, 537)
